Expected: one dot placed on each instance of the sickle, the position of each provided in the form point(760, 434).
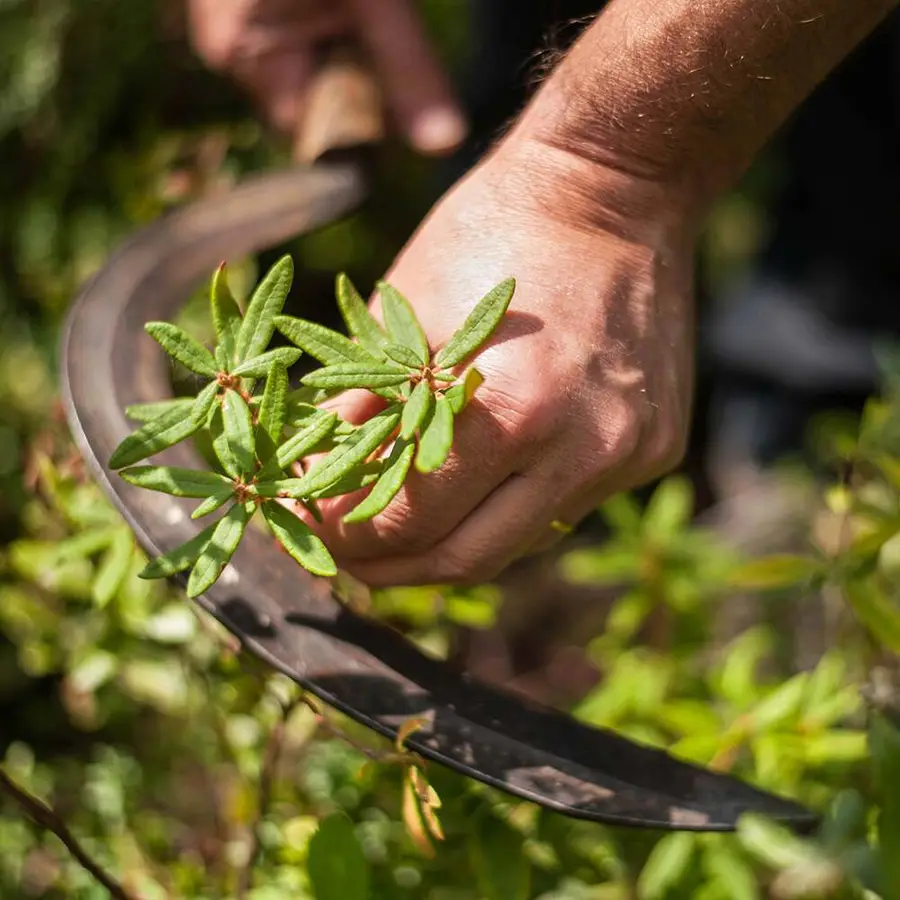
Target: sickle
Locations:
point(291, 620)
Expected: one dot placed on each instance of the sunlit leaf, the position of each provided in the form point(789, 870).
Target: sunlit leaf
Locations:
point(164, 431)
point(403, 356)
point(176, 481)
point(775, 572)
point(362, 476)
point(266, 303)
point(360, 322)
point(402, 325)
point(353, 451)
point(338, 868)
point(389, 483)
point(329, 347)
point(213, 502)
point(180, 558)
point(479, 325)
point(203, 404)
point(220, 548)
point(436, 437)
point(876, 611)
point(183, 348)
point(356, 375)
point(239, 432)
point(144, 412)
point(272, 411)
point(416, 409)
point(226, 314)
point(299, 540)
point(259, 366)
point(113, 567)
point(305, 441)
point(667, 865)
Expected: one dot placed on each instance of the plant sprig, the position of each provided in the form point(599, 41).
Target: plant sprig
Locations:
point(259, 437)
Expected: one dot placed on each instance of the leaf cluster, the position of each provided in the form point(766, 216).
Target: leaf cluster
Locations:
point(261, 431)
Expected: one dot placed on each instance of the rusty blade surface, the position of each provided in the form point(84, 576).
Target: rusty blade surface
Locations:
point(290, 619)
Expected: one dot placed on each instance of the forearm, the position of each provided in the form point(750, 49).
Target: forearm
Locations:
point(684, 93)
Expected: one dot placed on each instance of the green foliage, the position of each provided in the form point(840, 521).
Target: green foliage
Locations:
point(247, 430)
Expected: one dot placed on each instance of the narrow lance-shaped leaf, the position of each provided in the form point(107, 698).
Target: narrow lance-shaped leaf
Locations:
point(183, 348)
point(388, 484)
point(362, 476)
point(272, 411)
point(221, 546)
point(436, 438)
point(164, 431)
point(213, 502)
point(221, 445)
point(179, 559)
point(402, 325)
point(404, 356)
point(260, 366)
point(144, 412)
point(113, 568)
point(239, 431)
point(360, 322)
point(459, 395)
point(344, 458)
point(479, 325)
point(203, 403)
point(299, 540)
point(175, 481)
point(226, 316)
point(356, 375)
point(329, 347)
point(305, 441)
point(416, 410)
point(267, 301)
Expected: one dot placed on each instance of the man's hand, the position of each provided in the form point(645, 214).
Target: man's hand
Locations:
point(587, 380)
point(270, 47)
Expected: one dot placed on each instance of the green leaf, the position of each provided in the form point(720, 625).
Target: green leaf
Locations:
point(180, 558)
point(272, 411)
point(329, 347)
point(670, 508)
point(885, 748)
point(226, 315)
point(221, 546)
point(666, 866)
point(360, 322)
point(259, 366)
point(144, 412)
point(113, 568)
point(176, 481)
point(479, 325)
point(337, 867)
point(268, 299)
point(404, 356)
point(402, 325)
point(361, 477)
point(221, 445)
point(499, 861)
point(213, 502)
point(346, 456)
point(873, 608)
point(84, 545)
point(239, 431)
point(391, 480)
point(305, 441)
point(183, 348)
point(460, 395)
point(774, 572)
point(164, 431)
point(203, 403)
point(416, 409)
point(356, 375)
point(436, 437)
point(299, 540)
point(782, 706)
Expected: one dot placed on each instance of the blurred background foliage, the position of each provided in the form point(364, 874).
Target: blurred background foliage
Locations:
point(191, 772)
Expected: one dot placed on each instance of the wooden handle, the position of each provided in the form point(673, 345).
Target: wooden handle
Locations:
point(343, 108)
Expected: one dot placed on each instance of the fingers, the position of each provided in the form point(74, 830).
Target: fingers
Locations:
point(429, 507)
point(418, 90)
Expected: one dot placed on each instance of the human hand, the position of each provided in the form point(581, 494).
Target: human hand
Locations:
point(587, 380)
point(269, 46)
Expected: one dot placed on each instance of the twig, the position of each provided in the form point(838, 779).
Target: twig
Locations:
point(43, 816)
point(266, 780)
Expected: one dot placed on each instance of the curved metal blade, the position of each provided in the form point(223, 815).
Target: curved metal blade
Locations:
point(290, 619)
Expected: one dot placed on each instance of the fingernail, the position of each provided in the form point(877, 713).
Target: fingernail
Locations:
point(438, 130)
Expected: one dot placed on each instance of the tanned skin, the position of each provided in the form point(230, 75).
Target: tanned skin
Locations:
point(592, 201)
